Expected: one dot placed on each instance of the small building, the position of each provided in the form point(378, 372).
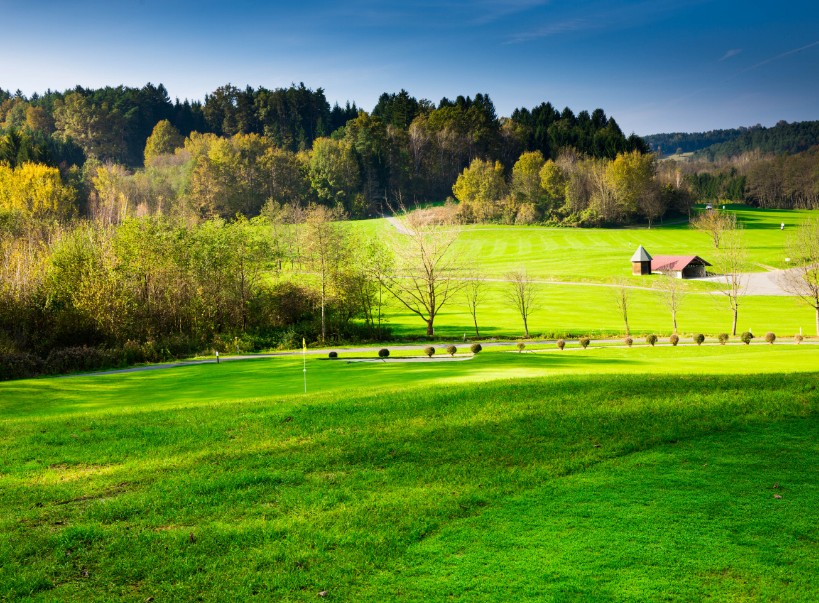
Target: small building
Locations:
point(641, 262)
point(679, 266)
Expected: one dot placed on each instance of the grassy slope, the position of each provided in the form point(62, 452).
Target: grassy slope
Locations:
point(197, 482)
point(601, 256)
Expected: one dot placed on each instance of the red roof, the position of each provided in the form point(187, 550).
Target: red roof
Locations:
point(663, 263)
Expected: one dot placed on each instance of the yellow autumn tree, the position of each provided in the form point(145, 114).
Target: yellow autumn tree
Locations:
point(34, 189)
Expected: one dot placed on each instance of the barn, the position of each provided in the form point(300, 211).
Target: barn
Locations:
point(678, 266)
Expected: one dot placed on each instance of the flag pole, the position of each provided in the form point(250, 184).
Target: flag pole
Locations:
point(304, 361)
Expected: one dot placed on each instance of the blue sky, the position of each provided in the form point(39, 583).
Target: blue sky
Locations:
point(655, 65)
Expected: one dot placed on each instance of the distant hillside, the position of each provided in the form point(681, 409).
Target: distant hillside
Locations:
point(784, 137)
point(682, 142)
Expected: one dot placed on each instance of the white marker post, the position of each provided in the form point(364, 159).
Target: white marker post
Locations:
point(304, 359)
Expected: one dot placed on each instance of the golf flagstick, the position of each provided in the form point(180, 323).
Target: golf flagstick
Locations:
point(304, 358)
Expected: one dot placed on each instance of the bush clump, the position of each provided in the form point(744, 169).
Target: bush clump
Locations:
point(383, 353)
point(80, 358)
point(798, 339)
point(561, 343)
point(770, 337)
point(746, 337)
point(699, 338)
point(674, 339)
point(19, 366)
point(429, 351)
point(451, 350)
point(651, 339)
point(475, 348)
point(520, 346)
point(628, 341)
point(723, 338)
point(333, 354)
point(584, 342)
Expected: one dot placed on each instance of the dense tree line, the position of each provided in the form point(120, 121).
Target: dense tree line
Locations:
point(574, 190)
point(406, 149)
point(770, 181)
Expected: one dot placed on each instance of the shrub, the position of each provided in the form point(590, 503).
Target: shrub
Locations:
point(628, 341)
point(475, 348)
point(333, 354)
point(81, 358)
point(699, 338)
point(584, 342)
point(383, 353)
point(770, 337)
point(798, 339)
point(723, 338)
point(451, 350)
point(429, 351)
point(651, 339)
point(520, 346)
point(19, 366)
point(674, 339)
point(746, 337)
point(561, 343)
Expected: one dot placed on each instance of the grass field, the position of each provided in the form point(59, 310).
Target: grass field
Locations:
point(601, 256)
point(605, 474)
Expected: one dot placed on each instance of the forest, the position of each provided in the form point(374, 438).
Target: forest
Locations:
point(134, 228)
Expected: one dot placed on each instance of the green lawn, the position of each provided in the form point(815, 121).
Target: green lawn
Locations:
point(605, 474)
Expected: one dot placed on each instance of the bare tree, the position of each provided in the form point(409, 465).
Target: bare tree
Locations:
point(521, 293)
point(621, 299)
point(428, 271)
point(474, 295)
point(731, 261)
point(673, 292)
point(803, 279)
point(715, 223)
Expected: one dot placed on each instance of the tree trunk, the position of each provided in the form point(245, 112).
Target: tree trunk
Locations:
point(525, 328)
point(475, 320)
point(674, 318)
point(734, 325)
point(430, 330)
point(817, 321)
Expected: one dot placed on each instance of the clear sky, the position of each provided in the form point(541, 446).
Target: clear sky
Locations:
point(655, 65)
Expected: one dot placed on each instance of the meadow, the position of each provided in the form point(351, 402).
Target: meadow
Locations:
point(651, 473)
point(577, 268)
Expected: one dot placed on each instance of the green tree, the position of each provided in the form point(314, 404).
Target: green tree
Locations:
point(480, 188)
point(164, 140)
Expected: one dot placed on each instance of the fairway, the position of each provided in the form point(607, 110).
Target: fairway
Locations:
point(601, 474)
point(575, 270)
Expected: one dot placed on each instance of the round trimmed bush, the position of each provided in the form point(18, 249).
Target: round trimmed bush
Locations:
point(629, 341)
point(429, 351)
point(333, 354)
point(770, 337)
point(798, 339)
point(584, 342)
point(746, 337)
point(383, 353)
point(561, 343)
point(520, 346)
point(475, 348)
point(651, 339)
point(451, 350)
point(699, 338)
point(674, 339)
point(723, 338)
